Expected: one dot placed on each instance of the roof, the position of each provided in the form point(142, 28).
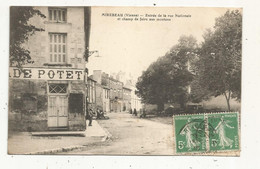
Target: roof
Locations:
point(106, 87)
point(91, 78)
point(124, 87)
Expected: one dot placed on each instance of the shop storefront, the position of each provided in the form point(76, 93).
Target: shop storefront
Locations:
point(43, 99)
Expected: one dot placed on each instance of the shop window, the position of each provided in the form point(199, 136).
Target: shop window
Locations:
point(76, 103)
point(58, 88)
point(57, 15)
point(57, 48)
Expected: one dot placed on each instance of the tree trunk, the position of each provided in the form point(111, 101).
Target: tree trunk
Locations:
point(182, 102)
point(160, 107)
point(227, 99)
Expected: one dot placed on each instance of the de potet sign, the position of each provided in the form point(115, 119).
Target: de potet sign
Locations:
point(46, 74)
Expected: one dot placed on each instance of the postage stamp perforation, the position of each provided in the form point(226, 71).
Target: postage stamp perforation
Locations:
point(214, 133)
point(221, 112)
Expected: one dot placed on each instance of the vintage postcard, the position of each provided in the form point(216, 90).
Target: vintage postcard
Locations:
point(125, 80)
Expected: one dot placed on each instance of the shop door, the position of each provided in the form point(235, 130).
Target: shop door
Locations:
point(58, 111)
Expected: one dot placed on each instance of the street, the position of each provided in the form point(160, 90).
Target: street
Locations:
point(132, 136)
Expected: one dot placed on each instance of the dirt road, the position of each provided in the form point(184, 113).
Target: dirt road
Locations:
point(132, 136)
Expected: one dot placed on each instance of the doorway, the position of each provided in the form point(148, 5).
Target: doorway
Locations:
point(57, 106)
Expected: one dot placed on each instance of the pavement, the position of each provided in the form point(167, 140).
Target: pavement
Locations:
point(37, 143)
point(132, 135)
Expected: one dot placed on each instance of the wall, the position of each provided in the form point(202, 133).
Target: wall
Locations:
point(99, 96)
point(77, 118)
point(97, 76)
point(135, 100)
point(126, 99)
point(106, 100)
point(38, 44)
point(91, 93)
point(28, 104)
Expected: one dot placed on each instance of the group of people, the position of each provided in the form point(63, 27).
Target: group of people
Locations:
point(100, 114)
point(133, 112)
point(142, 112)
point(91, 113)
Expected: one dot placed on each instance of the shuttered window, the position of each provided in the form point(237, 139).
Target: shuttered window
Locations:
point(57, 47)
point(57, 15)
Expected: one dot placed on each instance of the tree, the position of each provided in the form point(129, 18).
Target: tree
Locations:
point(198, 93)
point(219, 66)
point(20, 30)
point(152, 85)
point(166, 80)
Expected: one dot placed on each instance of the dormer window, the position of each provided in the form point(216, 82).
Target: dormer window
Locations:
point(57, 15)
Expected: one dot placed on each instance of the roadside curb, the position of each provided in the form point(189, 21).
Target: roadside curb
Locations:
point(71, 148)
point(66, 149)
point(58, 150)
point(108, 135)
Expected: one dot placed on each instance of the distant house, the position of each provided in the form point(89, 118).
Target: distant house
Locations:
point(112, 89)
point(135, 100)
point(116, 95)
point(126, 98)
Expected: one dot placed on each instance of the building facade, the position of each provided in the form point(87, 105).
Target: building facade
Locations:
point(99, 96)
point(50, 93)
point(114, 89)
point(106, 99)
point(91, 94)
point(116, 95)
point(126, 98)
point(136, 102)
point(102, 91)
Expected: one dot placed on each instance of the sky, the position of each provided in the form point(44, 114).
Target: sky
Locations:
point(131, 46)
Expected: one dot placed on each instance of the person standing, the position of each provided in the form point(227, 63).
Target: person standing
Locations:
point(98, 113)
point(90, 116)
point(135, 112)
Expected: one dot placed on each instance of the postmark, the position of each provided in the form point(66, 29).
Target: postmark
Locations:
point(190, 133)
point(207, 133)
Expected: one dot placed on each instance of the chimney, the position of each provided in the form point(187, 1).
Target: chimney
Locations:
point(97, 76)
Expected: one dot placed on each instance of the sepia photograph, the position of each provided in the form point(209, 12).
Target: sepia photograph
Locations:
point(90, 80)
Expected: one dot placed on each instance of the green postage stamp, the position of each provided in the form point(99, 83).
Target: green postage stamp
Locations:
point(190, 133)
point(208, 133)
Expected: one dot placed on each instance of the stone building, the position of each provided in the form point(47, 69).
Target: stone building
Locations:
point(99, 96)
point(91, 93)
point(50, 94)
point(106, 99)
point(116, 95)
point(113, 87)
point(102, 92)
point(126, 98)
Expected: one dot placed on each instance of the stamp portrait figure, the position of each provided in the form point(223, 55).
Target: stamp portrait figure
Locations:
point(187, 131)
point(220, 130)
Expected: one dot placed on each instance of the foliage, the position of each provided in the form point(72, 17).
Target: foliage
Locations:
point(219, 65)
point(198, 92)
point(166, 79)
point(20, 30)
